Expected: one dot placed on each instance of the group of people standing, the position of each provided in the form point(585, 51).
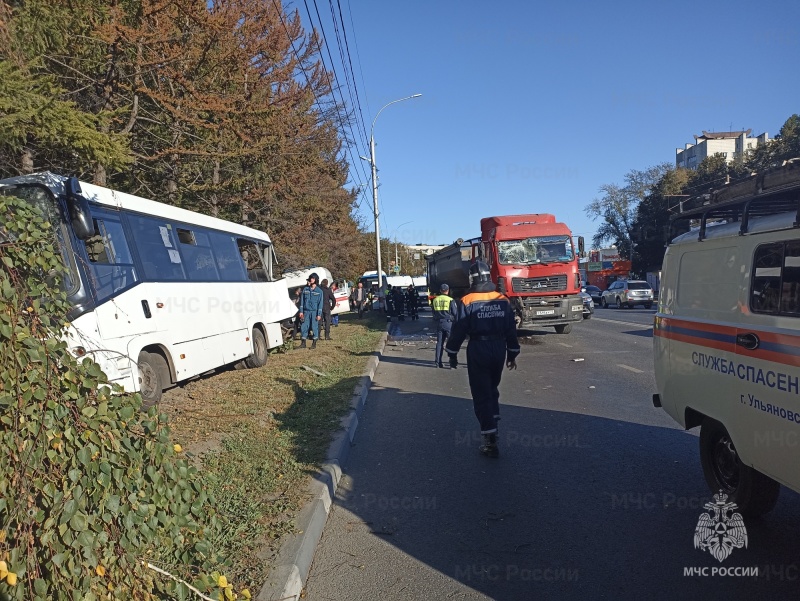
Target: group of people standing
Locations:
point(400, 300)
point(483, 314)
point(314, 306)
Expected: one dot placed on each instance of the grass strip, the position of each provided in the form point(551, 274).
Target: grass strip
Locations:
point(257, 435)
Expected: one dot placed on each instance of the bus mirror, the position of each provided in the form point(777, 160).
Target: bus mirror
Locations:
point(581, 246)
point(79, 213)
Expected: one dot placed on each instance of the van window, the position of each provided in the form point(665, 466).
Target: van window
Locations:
point(775, 287)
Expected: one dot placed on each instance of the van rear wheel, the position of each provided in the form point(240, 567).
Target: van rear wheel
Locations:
point(753, 492)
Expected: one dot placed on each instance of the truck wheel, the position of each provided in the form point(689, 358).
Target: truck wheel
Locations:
point(152, 367)
point(753, 492)
point(564, 328)
point(258, 358)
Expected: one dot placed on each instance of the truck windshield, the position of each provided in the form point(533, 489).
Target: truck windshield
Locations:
point(539, 249)
point(41, 198)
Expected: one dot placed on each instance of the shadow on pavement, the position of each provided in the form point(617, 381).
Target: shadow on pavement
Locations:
point(576, 507)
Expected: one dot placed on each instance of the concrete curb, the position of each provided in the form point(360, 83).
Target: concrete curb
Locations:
point(288, 575)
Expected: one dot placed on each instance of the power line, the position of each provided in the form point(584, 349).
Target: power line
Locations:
point(330, 83)
point(350, 62)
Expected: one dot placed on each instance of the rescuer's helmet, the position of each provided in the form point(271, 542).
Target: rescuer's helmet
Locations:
point(479, 273)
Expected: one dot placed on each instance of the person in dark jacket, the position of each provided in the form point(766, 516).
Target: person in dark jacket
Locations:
point(399, 302)
point(328, 303)
point(311, 303)
point(412, 302)
point(335, 318)
point(359, 297)
point(445, 311)
point(487, 317)
point(297, 321)
point(390, 306)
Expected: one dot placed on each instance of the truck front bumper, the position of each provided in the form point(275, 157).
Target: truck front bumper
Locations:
point(549, 311)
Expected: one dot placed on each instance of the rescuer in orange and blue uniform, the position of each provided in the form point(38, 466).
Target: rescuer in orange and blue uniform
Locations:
point(488, 318)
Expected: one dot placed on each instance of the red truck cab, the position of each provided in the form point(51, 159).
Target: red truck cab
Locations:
point(534, 263)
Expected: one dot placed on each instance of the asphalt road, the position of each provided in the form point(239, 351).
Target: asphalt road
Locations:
point(596, 493)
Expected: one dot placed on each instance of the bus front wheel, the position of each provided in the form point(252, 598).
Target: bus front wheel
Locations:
point(151, 367)
point(259, 356)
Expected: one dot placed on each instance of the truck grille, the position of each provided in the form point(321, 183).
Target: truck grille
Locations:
point(552, 283)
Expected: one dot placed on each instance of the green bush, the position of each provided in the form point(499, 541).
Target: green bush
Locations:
point(91, 488)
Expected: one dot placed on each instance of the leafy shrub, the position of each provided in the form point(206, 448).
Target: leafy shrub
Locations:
point(91, 488)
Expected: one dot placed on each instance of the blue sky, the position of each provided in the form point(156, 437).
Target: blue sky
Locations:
point(530, 107)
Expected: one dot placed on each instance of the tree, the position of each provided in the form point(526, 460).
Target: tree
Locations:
point(653, 214)
point(617, 208)
point(785, 146)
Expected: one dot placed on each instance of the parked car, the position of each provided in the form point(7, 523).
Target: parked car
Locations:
point(594, 292)
point(588, 304)
point(628, 293)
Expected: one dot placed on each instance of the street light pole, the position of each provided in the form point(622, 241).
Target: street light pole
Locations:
point(381, 291)
point(394, 234)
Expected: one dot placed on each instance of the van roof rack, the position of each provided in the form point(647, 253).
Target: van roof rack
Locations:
point(773, 191)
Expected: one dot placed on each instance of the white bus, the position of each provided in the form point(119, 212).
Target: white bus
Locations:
point(159, 294)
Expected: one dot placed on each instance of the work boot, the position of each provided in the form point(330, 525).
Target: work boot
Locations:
point(303, 343)
point(314, 343)
point(327, 337)
point(489, 445)
point(440, 365)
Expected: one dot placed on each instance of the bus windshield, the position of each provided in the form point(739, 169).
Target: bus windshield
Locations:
point(539, 249)
point(41, 198)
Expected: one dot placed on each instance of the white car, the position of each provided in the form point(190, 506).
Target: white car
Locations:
point(627, 293)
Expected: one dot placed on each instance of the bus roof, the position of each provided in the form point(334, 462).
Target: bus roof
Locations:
point(123, 200)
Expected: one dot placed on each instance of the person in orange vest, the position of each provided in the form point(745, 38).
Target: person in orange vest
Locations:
point(487, 317)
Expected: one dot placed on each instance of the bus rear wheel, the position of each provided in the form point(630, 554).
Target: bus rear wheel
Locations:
point(258, 358)
point(753, 492)
point(152, 366)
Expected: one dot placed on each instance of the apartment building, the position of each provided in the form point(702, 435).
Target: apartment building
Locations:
point(730, 144)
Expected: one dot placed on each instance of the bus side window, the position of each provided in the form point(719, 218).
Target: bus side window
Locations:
point(266, 251)
point(227, 257)
point(110, 262)
point(252, 260)
point(196, 249)
point(157, 247)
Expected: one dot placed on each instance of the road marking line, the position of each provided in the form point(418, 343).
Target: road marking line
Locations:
point(628, 367)
point(565, 344)
point(626, 323)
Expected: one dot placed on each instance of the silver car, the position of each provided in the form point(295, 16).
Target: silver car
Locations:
point(627, 293)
